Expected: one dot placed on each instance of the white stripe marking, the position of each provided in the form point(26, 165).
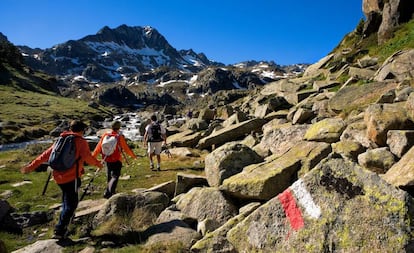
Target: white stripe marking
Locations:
point(305, 199)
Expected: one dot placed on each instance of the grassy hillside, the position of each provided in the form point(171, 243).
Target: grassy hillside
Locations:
point(30, 107)
point(358, 45)
point(30, 102)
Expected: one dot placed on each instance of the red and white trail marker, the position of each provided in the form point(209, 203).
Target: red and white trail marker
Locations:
point(292, 209)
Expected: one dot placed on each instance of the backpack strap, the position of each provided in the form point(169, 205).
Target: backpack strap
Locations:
point(77, 166)
point(77, 174)
point(118, 136)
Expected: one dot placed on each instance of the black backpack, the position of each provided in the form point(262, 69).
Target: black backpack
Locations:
point(155, 134)
point(63, 155)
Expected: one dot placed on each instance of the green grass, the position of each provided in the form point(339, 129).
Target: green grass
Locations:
point(28, 197)
point(27, 114)
point(36, 107)
point(403, 39)
point(138, 169)
point(30, 106)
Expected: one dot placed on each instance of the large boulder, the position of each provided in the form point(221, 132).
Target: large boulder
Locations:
point(380, 118)
point(356, 131)
point(42, 246)
point(186, 138)
point(171, 232)
point(400, 141)
point(359, 96)
point(326, 130)
point(231, 133)
point(7, 222)
point(197, 124)
point(236, 118)
point(339, 207)
point(279, 138)
point(378, 160)
point(265, 180)
point(281, 87)
point(228, 160)
point(401, 174)
point(204, 202)
point(348, 149)
point(216, 241)
point(314, 69)
point(122, 204)
point(399, 66)
point(185, 182)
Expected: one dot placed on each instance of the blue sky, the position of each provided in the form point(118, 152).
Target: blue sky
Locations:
point(227, 31)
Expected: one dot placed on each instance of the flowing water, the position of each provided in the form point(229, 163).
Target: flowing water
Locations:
point(131, 123)
point(130, 129)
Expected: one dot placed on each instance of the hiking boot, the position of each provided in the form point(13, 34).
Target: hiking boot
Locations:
point(107, 195)
point(158, 168)
point(59, 235)
point(152, 166)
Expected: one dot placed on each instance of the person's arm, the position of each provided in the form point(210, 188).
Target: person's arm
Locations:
point(98, 147)
point(124, 146)
point(44, 157)
point(86, 155)
point(146, 137)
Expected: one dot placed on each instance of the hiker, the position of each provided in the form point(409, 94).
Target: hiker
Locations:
point(155, 136)
point(68, 180)
point(113, 158)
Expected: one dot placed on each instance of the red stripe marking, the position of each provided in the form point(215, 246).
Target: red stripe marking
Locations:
point(292, 211)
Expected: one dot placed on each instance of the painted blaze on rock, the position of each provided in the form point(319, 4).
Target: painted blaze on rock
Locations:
point(338, 206)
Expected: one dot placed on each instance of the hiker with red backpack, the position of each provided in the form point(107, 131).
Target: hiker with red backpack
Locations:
point(154, 138)
point(66, 157)
point(110, 146)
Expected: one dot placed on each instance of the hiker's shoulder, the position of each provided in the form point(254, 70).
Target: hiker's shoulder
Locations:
point(72, 134)
point(110, 133)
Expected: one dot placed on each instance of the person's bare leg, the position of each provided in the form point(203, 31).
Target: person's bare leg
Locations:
point(159, 162)
point(151, 162)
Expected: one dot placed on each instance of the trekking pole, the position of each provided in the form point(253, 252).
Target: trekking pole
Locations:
point(47, 183)
point(89, 184)
point(166, 151)
point(125, 157)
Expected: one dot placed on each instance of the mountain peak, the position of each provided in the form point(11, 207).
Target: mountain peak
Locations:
point(3, 38)
point(112, 54)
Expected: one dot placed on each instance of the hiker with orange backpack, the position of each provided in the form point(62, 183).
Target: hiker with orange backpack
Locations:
point(110, 146)
point(67, 177)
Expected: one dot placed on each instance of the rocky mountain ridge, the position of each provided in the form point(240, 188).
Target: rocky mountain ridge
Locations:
point(115, 54)
point(141, 56)
point(111, 54)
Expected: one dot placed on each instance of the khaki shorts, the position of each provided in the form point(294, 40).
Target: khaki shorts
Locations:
point(154, 148)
